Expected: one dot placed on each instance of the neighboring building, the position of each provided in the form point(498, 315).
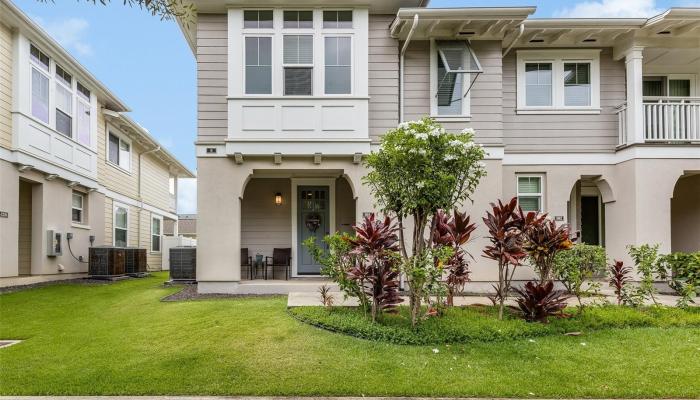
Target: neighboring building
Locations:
point(71, 162)
point(594, 121)
point(186, 226)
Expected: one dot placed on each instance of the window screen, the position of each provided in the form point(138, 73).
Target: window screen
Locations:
point(577, 84)
point(40, 96)
point(530, 193)
point(298, 59)
point(538, 82)
point(338, 68)
point(64, 110)
point(258, 65)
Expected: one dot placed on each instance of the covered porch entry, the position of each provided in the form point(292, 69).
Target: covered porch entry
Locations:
point(279, 210)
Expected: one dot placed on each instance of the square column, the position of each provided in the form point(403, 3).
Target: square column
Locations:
point(635, 106)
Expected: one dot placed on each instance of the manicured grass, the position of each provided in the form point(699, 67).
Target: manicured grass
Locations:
point(120, 339)
point(481, 324)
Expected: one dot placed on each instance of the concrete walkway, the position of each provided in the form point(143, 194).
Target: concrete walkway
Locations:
point(34, 279)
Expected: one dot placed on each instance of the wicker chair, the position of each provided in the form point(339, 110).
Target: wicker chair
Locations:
point(247, 261)
point(280, 258)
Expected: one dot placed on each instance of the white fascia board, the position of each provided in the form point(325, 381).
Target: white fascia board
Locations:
point(622, 155)
point(339, 147)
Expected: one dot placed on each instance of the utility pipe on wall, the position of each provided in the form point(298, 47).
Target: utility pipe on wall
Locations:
point(401, 65)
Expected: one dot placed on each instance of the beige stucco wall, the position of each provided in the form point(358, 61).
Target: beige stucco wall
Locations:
point(685, 215)
point(5, 86)
point(50, 209)
point(265, 225)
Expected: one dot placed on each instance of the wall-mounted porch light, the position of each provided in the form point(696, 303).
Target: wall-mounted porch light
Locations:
point(278, 199)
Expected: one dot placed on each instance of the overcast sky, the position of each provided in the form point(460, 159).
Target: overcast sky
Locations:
point(146, 62)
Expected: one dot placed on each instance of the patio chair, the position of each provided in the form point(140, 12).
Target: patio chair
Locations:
point(247, 261)
point(280, 258)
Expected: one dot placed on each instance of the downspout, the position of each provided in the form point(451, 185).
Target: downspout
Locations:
point(153, 150)
point(521, 30)
point(401, 65)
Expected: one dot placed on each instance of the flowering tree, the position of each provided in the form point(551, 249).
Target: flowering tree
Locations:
point(420, 169)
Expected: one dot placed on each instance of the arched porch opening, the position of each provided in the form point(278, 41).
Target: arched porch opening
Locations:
point(685, 214)
point(586, 211)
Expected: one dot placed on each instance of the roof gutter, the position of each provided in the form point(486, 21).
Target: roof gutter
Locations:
point(401, 65)
point(521, 30)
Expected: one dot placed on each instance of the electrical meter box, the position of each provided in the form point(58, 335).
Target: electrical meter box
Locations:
point(54, 245)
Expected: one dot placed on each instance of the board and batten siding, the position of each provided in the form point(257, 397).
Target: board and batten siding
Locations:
point(5, 86)
point(383, 78)
point(212, 86)
point(564, 133)
point(485, 95)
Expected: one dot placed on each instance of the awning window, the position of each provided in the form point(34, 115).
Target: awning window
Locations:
point(455, 60)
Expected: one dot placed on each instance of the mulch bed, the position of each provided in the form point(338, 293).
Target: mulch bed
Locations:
point(76, 281)
point(189, 293)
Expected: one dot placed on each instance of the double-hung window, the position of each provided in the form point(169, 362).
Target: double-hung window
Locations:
point(119, 152)
point(40, 63)
point(78, 208)
point(64, 102)
point(530, 192)
point(258, 65)
point(82, 114)
point(558, 81)
point(298, 59)
point(156, 233)
point(338, 68)
point(121, 225)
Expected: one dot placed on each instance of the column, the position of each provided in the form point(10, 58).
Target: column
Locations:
point(635, 107)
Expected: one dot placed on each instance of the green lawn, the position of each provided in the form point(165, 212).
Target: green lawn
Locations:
point(120, 339)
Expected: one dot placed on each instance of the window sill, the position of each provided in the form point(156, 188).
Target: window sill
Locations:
point(80, 226)
point(451, 118)
point(115, 166)
point(557, 111)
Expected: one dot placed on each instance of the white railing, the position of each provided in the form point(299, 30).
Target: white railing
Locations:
point(666, 119)
point(671, 119)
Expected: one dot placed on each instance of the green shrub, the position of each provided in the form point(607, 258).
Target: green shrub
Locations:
point(578, 265)
point(682, 272)
point(479, 323)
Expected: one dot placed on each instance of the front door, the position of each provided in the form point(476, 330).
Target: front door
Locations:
point(312, 221)
point(590, 220)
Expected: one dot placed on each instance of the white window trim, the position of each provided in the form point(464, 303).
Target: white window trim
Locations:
point(50, 74)
point(541, 194)
point(557, 58)
point(266, 33)
point(71, 89)
point(465, 116)
point(83, 197)
point(318, 33)
point(122, 138)
point(160, 236)
point(115, 206)
point(312, 66)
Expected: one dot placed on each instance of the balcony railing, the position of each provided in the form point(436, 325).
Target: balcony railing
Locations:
point(666, 119)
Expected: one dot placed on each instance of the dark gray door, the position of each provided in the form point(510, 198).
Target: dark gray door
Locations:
point(590, 220)
point(312, 220)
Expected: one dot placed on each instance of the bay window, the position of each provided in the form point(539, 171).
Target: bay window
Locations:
point(558, 81)
point(40, 63)
point(257, 19)
point(258, 65)
point(337, 19)
point(298, 60)
point(298, 20)
point(338, 65)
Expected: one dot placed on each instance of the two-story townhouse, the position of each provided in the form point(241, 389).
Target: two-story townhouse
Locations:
point(71, 162)
point(594, 121)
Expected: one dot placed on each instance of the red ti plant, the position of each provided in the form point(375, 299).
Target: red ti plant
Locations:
point(619, 277)
point(506, 236)
point(376, 246)
point(454, 231)
point(543, 241)
point(539, 301)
